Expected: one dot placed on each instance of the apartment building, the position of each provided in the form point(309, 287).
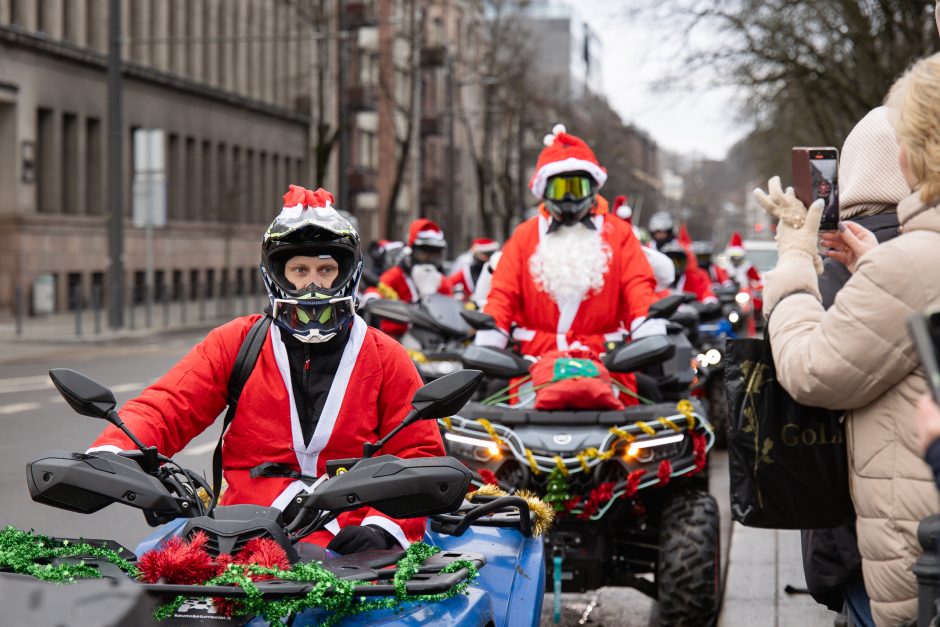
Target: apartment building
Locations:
point(223, 83)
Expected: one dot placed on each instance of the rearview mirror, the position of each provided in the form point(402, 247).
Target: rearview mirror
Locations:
point(85, 396)
point(478, 320)
point(643, 352)
point(495, 362)
point(400, 488)
point(665, 307)
point(394, 310)
point(446, 396)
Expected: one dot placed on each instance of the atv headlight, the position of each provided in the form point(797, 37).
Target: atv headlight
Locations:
point(742, 298)
point(734, 317)
point(713, 357)
point(438, 368)
point(481, 450)
point(648, 450)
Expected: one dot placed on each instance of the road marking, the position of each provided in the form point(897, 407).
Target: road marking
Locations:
point(199, 449)
point(24, 384)
point(56, 399)
point(127, 387)
point(16, 408)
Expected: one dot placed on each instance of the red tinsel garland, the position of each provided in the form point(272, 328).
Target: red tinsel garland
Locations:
point(571, 503)
point(488, 476)
point(665, 473)
point(180, 562)
point(699, 453)
point(598, 496)
point(633, 482)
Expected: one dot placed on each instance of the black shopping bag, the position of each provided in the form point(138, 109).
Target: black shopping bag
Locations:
point(788, 462)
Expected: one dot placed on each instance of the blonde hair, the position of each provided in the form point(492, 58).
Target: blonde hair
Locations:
point(916, 99)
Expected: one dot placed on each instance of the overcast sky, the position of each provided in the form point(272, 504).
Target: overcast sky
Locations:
point(634, 57)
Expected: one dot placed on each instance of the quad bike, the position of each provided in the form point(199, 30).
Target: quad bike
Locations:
point(629, 487)
point(436, 336)
point(493, 535)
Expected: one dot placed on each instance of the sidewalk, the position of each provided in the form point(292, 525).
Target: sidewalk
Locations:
point(761, 564)
point(46, 335)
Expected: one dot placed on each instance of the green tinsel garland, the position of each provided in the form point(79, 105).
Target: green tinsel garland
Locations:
point(329, 592)
point(23, 551)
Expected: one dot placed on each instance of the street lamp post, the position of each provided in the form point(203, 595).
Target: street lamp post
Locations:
point(115, 169)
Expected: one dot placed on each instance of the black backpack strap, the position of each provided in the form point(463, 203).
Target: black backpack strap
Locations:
point(244, 364)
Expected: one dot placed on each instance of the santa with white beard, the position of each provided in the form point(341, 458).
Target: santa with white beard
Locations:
point(573, 276)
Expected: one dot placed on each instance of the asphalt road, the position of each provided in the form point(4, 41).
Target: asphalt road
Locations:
point(33, 419)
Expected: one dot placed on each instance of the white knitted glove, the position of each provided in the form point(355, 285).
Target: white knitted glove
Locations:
point(798, 230)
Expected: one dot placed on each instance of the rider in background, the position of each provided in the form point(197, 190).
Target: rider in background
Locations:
point(689, 277)
point(573, 276)
point(662, 229)
point(741, 271)
point(464, 279)
point(324, 384)
point(703, 256)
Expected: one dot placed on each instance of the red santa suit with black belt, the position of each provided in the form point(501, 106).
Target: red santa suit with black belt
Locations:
point(369, 396)
point(544, 324)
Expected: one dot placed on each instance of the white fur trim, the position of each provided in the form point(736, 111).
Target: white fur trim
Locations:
point(663, 270)
point(468, 279)
point(548, 140)
point(292, 490)
point(430, 234)
point(104, 448)
point(307, 456)
point(521, 334)
point(566, 165)
point(559, 128)
point(332, 526)
point(390, 526)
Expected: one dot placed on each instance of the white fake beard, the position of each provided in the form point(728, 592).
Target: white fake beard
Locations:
point(427, 279)
point(570, 263)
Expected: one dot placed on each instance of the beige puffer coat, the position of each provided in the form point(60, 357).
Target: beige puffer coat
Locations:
point(858, 356)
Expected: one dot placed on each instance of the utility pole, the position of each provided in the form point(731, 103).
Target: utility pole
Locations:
point(115, 169)
point(449, 161)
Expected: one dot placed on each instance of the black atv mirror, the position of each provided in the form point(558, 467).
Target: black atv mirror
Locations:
point(386, 309)
point(400, 488)
point(495, 362)
point(90, 398)
point(85, 396)
point(478, 320)
point(665, 307)
point(441, 398)
point(643, 352)
point(446, 396)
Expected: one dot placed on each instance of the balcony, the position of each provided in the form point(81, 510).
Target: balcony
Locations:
point(431, 125)
point(361, 180)
point(359, 14)
point(433, 56)
point(361, 99)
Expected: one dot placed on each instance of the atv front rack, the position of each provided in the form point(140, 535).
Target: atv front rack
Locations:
point(490, 511)
point(374, 569)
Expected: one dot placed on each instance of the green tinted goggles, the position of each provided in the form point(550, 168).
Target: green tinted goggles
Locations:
point(574, 187)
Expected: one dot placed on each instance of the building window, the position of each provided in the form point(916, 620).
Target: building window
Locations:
point(74, 297)
point(94, 203)
point(93, 17)
point(194, 287)
point(191, 172)
point(204, 208)
point(178, 292)
point(209, 291)
point(69, 164)
point(46, 183)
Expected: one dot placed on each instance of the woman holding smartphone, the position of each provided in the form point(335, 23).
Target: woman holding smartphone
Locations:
point(857, 356)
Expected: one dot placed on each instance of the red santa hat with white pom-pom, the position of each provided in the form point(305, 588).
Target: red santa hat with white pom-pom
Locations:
point(735, 245)
point(484, 245)
point(564, 153)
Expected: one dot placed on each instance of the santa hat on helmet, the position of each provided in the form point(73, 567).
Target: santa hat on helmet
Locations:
point(684, 238)
point(564, 153)
point(484, 245)
point(424, 232)
point(621, 209)
point(735, 244)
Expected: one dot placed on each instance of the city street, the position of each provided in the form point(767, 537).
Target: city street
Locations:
point(35, 418)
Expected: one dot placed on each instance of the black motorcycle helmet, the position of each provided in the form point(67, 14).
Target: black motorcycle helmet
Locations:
point(570, 196)
point(678, 255)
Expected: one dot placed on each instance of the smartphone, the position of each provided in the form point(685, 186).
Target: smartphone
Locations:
point(815, 176)
point(925, 331)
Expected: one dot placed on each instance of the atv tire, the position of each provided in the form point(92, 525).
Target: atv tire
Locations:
point(689, 569)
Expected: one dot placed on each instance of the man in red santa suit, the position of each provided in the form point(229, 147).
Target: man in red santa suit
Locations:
point(689, 277)
point(464, 280)
point(741, 271)
point(324, 384)
point(573, 276)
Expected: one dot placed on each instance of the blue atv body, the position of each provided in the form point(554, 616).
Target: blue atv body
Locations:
point(508, 591)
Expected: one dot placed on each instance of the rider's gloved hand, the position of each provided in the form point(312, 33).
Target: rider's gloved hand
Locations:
point(361, 538)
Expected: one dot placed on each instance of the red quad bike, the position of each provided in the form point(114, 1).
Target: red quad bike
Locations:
point(629, 487)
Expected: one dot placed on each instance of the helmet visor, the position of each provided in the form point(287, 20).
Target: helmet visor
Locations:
point(312, 268)
point(313, 317)
point(571, 186)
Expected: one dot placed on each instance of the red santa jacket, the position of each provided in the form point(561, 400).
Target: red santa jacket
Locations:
point(462, 280)
point(717, 274)
point(369, 396)
point(515, 299)
point(404, 288)
point(696, 281)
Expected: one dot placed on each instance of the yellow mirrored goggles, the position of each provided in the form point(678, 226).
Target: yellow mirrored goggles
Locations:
point(577, 187)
